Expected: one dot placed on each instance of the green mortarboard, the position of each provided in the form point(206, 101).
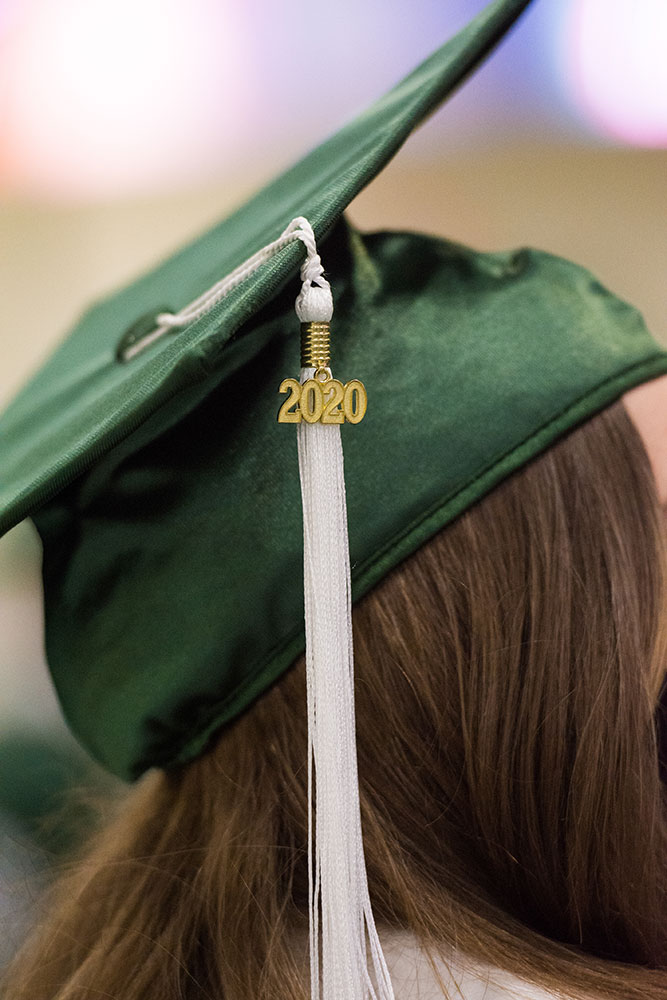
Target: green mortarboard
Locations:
point(165, 491)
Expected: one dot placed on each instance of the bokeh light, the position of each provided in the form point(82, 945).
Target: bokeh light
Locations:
point(111, 96)
point(615, 66)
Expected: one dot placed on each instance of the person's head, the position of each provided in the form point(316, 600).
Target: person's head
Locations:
point(507, 559)
point(508, 680)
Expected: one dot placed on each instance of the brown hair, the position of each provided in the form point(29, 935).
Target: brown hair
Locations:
point(507, 682)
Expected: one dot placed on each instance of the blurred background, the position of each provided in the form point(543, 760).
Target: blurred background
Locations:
point(127, 126)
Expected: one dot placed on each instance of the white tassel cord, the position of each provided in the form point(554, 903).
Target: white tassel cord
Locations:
point(338, 885)
point(342, 928)
point(298, 229)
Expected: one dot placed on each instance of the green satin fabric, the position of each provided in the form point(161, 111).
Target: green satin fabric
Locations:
point(173, 569)
point(83, 402)
point(167, 495)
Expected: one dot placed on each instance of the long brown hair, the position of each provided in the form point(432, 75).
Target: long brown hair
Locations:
point(507, 682)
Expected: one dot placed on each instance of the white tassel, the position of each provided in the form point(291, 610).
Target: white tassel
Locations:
point(339, 904)
point(338, 886)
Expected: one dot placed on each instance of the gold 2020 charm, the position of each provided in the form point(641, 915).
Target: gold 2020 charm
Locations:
point(326, 401)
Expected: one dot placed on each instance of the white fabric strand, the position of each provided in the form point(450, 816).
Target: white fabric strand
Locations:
point(315, 296)
point(338, 883)
point(311, 271)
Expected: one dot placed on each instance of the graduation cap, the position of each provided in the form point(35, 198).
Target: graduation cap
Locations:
point(166, 494)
